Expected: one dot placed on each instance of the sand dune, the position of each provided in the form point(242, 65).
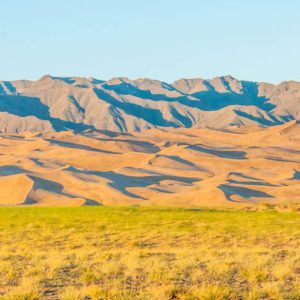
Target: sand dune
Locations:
point(154, 167)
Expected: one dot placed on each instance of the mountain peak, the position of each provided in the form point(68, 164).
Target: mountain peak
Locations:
point(46, 77)
point(228, 77)
point(118, 80)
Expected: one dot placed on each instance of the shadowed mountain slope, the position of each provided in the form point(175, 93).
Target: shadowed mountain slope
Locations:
point(122, 105)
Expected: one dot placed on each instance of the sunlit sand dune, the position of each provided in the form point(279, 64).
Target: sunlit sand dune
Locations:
point(154, 167)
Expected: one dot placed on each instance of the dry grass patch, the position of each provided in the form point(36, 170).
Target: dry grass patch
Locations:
point(148, 253)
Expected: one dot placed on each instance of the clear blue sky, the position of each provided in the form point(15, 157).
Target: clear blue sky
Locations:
point(164, 39)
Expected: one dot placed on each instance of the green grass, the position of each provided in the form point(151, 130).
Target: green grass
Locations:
point(148, 253)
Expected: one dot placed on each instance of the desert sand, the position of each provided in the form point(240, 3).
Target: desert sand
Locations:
point(175, 166)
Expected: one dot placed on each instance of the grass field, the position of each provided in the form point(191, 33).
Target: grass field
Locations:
point(148, 253)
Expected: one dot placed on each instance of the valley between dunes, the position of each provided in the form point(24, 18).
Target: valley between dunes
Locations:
point(179, 166)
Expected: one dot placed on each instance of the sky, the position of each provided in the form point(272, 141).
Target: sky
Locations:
point(255, 40)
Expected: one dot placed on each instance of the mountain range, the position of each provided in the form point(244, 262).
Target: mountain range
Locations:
point(53, 104)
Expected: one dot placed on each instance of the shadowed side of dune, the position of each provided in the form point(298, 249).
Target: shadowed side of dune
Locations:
point(122, 182)
point(79, 146)
point(133, 145)
point(231, 154)
point(243, 192)
point(8, 170)
point(259, 183)
point(48, 192)
point(172, 162)
point(296, 175)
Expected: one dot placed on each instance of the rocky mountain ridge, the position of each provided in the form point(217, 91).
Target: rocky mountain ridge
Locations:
point(124, 105)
